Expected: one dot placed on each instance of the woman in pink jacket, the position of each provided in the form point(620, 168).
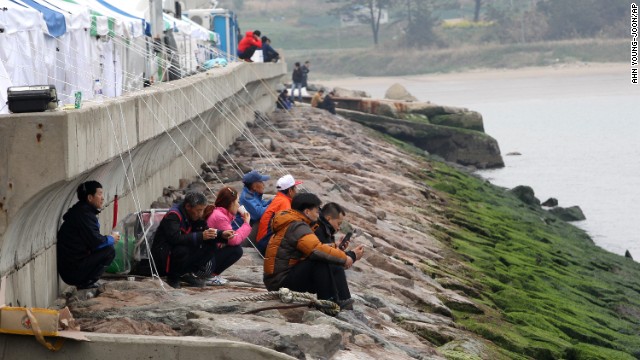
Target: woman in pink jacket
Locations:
point(226, 207)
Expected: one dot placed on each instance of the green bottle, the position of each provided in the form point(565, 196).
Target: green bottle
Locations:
point(78, 95)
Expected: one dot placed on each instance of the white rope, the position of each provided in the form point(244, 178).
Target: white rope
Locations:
point(248, 135)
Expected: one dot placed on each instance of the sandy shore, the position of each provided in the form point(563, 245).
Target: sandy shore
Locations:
point(476, 74)
point(482, 85)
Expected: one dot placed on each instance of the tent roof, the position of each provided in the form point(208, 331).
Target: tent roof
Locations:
point(56, 23)
point(19, 17)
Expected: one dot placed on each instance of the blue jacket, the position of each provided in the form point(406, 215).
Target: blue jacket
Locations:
point(254, 204)
point(269, 54)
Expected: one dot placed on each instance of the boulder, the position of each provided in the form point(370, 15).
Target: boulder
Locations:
point(298, 340)
point(197, 187)
point(526, 195)
point(573, 213)
point(348, 93)
point(471, 120)
point(430, 110)
point(550, 202)
point(398, 92)
point(627, 254)
point(462, 146)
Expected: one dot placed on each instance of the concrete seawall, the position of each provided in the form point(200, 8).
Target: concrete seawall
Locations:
point(114, 346)
point(156, 135)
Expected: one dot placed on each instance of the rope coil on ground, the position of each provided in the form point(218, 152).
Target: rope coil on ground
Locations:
point(287, 296)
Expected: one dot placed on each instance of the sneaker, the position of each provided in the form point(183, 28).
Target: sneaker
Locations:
point(173, 282)
point(217, 280)
point(192, 280)
point(346, 304)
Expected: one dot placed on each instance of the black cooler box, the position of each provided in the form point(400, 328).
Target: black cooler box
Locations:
point(34, 98)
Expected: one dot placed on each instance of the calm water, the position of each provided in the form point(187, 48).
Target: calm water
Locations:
point(578, 133)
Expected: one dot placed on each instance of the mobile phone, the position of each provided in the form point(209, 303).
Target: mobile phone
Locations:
point(345, 240)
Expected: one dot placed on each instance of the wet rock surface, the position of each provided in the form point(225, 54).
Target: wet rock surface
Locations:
point(402, 310)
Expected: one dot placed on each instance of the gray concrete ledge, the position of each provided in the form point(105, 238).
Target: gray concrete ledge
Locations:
point(129, 347)
point(159, 135)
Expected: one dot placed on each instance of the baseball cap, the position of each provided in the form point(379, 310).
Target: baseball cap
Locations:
point(286, 182)
point(254, 176)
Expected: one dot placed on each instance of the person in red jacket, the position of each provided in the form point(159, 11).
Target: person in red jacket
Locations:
point(249, 44)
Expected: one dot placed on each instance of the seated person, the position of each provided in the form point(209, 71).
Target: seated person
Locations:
point(286, 186)
point(283, 101)
point(331, 218)
point(179, 248)
point(328, 103)
point(317, 98)
point(251, 197)
point(249, 44)
point(297, 260)
point(82, 252)
point(226, 206)
point(269, 54)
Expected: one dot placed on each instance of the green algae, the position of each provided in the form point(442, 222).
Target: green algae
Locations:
point(548, 292)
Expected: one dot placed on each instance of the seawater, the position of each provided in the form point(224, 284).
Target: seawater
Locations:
point(583, 151)
point(578, 133)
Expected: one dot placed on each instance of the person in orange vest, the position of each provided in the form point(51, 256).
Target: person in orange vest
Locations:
point(297, 260)
point(286, 186)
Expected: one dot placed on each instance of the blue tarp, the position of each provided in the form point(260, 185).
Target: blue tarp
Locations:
point(145, 24)
point(56, 23)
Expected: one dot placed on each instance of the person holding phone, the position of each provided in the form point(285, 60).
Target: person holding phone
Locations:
point(227, 205)
point(296, 259)
point(331, 217)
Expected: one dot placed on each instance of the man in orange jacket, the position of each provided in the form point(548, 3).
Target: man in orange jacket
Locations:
point(286, 186)
point(297, 260)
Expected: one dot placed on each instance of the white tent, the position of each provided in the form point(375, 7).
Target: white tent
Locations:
point(19, 44)
point(70, 68)
point(5, 82)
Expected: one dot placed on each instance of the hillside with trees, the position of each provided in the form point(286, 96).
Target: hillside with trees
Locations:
point(540, 32)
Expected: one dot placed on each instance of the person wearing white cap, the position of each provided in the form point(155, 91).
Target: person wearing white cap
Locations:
point(286, 186)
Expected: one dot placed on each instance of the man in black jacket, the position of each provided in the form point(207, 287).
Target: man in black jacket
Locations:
point(82, 252)
point(331, 217)
point(297, 77)
point(182, 246)
point(269, 54)
point(328, 103)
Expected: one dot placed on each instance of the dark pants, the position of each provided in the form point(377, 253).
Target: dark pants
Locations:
point(224, 258)
point(184, 259)
point(89, 270)
point(248, 53)
point(317, 277)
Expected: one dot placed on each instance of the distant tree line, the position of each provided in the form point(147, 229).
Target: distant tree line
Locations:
point(504, 21)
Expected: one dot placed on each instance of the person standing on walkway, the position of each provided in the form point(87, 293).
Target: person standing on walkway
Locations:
point(297, 78)
point(305, 73)
point(82, 252)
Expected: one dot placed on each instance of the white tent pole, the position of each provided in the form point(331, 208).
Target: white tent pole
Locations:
point(228, 35)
